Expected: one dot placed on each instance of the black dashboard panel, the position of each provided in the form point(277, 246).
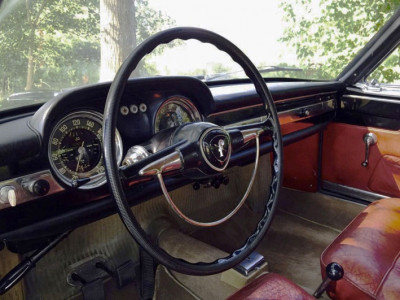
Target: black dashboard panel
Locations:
point(26, 134)
point(18, 141)
point(229, 97)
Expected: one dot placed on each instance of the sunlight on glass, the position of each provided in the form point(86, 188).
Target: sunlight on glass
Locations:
point(191, 58)
point(48, 47)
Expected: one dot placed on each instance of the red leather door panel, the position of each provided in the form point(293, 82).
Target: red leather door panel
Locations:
point(344, 151)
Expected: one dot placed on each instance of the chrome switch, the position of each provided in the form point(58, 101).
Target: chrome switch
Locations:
point(8, 195)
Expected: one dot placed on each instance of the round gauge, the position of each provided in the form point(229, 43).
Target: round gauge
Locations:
point(75, 150)
point(175, 111)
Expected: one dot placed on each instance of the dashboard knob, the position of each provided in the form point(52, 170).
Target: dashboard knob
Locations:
point(39, 187)
point(8, 195)
point(304, 112)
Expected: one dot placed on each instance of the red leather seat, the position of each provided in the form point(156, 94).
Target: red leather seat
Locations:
point(369, 252)
point(271, 287)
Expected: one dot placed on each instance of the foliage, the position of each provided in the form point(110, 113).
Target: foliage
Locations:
point(389, 70)
point(60, 40)
point(150, 21)
point(327, 36)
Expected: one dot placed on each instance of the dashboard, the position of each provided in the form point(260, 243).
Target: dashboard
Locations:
point(51, 161)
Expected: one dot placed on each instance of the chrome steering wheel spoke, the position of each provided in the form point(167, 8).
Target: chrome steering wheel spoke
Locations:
point(251, 134)
point(171, 162)
point(212, 142)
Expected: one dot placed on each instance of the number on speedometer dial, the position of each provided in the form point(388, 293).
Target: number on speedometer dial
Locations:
point(75, 149)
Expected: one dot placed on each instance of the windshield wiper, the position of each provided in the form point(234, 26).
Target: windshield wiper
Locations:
point(267, 69)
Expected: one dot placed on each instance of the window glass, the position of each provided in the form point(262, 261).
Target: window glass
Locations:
point(388, 72)
point(47, 47)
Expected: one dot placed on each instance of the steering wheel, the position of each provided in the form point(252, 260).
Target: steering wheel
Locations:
point(196, 150)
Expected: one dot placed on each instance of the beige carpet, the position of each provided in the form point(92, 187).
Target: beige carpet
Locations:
point(304, 225)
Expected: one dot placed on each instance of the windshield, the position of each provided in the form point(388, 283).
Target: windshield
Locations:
point(47, 47)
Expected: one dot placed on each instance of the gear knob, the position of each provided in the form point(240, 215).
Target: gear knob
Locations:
point(334, 271)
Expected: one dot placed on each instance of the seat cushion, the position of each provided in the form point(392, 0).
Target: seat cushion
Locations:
point(368, 250)
point(271, 286)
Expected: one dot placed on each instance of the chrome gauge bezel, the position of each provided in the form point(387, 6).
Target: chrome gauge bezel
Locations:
point(98, 179)
point(181, 101)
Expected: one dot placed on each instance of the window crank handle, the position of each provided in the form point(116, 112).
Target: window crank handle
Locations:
point(369, 140)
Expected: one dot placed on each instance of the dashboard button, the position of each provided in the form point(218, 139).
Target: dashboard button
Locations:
point(134, 109)
point(143, 107)
point(124, 110)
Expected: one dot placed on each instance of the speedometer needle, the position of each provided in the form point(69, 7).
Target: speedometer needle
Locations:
point(81, 151)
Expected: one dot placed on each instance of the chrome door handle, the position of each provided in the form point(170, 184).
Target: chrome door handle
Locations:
point(369, 140)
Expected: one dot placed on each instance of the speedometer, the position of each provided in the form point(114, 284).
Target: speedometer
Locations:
point(75, 150)
point(177, 110)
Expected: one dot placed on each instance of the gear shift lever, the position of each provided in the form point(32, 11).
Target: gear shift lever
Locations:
point(334, 272)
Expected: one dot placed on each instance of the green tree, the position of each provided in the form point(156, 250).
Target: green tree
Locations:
point(123, 25)
point(42, 41)
point(54, 44)
point(389, 71)
point(327, 36)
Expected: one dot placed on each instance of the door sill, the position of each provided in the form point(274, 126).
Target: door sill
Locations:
point(348, 192)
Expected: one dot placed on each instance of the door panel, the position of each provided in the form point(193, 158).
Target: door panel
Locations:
point(344, 152)
point(386, 177)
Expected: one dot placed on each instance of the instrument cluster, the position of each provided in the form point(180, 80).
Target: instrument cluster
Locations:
point(75, 142)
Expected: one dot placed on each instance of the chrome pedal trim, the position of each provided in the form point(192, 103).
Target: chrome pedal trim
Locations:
point(250, 263)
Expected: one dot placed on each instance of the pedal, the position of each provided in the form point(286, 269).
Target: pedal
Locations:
point(250, 263)
point(126, 273)
point(93, 290)
point(86, 271)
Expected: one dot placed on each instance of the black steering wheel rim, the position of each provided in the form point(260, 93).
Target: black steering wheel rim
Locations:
point(112, 170)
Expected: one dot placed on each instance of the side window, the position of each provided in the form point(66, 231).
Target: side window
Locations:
point(388, 72)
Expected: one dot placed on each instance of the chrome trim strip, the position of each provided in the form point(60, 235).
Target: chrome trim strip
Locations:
point(292, 115)
point(378, 99)
point(277, 101)
point(233, 110)
point(23, 194)
point(304, 97)
point(308, 111)
point(254, 121)
point(351, 191)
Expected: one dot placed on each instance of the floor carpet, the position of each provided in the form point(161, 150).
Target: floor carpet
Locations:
point(293, 246)
point(304, 225)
